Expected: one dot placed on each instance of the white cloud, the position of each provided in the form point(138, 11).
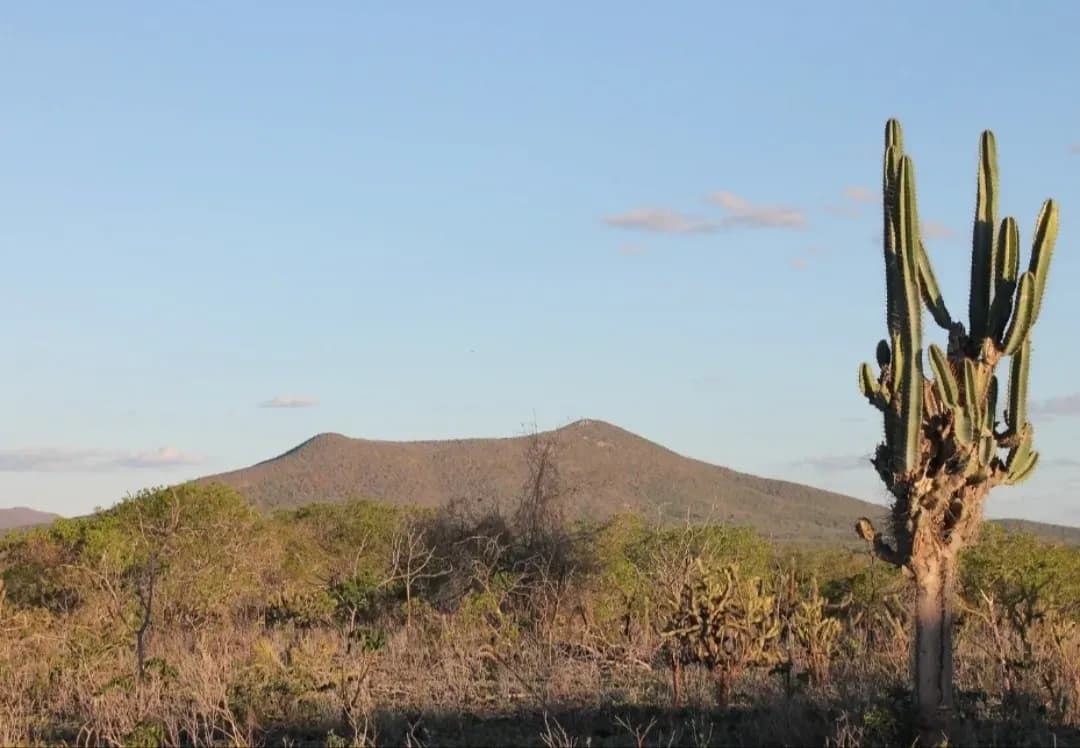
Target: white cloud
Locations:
point(1065, 405)
point(742, 212)
point(74, 460)
point(861, 194)
point(661, 221)
point(936, 230)
point(289, 401)
point(854, 198)
point(159, 458)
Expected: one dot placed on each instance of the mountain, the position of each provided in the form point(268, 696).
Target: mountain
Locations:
point(608, 470)
point(21, 516)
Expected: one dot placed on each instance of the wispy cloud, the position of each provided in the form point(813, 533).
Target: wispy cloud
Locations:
point(936, 230)
point(798, 263)
point(853, 200)
point(289, 401)
point(660, 221)
point(1075, 149)
point(742, 212)
point(1065, 405)
point(837, 463)
point(861, 194)
point(71, 460)
point(739, 211)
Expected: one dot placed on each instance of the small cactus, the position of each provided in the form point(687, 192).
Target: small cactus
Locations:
point(725, 623)
point(816, 633)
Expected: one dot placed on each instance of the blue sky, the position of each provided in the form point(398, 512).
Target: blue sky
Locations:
point(431, 220)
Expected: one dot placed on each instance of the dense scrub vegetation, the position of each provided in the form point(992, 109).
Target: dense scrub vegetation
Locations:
point(182, 616)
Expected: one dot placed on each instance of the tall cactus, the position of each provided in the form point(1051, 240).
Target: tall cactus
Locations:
point(944, 445)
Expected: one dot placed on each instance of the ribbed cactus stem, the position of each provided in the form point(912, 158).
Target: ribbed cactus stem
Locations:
point(890, 178)
point(1016, 417)
point(1006, 269)
point(894, 136)
point(1023, 315)
point(1022, 458)
point(930, 292)
point(982, 249)
point(1042, 250)
point(883, 354)
point(972, 395)
point(990, 411)
point(869, 386)
point(944, 380)
point(1007, 257)
point(910, 312)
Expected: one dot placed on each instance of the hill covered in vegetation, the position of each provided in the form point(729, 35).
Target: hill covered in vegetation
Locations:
point(603, 469)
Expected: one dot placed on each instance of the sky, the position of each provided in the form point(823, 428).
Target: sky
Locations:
point(226, 227)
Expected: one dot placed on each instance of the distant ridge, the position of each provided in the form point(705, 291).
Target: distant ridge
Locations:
point(20, 516)
point(609, 468)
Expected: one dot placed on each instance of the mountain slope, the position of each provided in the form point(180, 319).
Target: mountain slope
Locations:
point(608, 468)
point(21, 516)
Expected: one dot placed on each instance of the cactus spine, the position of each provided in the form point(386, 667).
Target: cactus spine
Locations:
point(943, 449)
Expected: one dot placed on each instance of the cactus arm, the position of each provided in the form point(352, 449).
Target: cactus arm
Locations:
point(930, 292)
point(990, 412)
point(1006, 270)
point(897, 360)
point(972, 399)
point(1007, 257)
point(943, 377)
point(1042, 250)
point(892, 270)
point(871, 388)
point(982, 249)
point(910, 310)
point(894, 136)
point(1022, 316)
point(1016, 416)
point(864, 528)
point(883, 354)
point(1022, 458)
point(963, 426)
point(1022, 472)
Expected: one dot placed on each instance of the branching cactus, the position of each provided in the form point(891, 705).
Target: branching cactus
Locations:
point(724, 622)
point(817, 633)
point(947, 442)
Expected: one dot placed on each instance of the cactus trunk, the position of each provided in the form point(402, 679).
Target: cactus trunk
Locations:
point(933, 661)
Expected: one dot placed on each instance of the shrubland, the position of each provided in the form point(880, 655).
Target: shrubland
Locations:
point(181, 616)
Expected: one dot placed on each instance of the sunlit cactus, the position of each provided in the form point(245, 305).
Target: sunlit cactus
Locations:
point(725, 622)
point(946, 443)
